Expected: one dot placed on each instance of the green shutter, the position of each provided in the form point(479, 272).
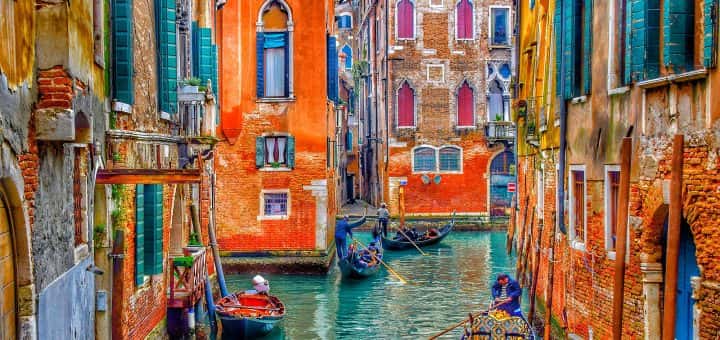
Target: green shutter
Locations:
point(139, 235)
point(558, 47)
point(587, 47)
point(571, 30)
point(291, 152)
point(679, 33)
point(122, 51)
point(215, 84)
point(165, 25)
point(260, 152)
point(642, 53)
point(195, 48)
point(710, 33)
point(205, 55)
point(153, 229)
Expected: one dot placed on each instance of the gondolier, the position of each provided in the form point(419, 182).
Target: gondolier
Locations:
point(342, 229)
point(383, 215)
point(506, 293)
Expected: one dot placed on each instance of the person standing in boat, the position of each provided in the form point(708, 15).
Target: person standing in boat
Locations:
point(506, 293)
point(342, 229)
point(383, 215)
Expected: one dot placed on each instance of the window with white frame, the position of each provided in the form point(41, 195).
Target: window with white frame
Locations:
point(424, 159)
point(449, 159)
point(612, 190)
point(432, 159)
point(275, 204)
point(275, 150)
point(577, 207)
point(499, 26)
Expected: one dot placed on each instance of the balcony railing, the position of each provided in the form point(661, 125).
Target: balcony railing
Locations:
point(187, 280)
point(500, 131)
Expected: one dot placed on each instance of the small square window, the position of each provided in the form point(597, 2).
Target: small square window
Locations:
point(275, 204)
point(436, 73)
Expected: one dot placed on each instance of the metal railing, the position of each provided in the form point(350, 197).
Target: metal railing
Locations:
point(500, 130)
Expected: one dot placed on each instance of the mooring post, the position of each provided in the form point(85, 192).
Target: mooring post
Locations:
point(673, 240)
point(621, 236)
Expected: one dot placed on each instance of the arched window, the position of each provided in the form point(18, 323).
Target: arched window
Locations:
point(495, 102)
point(450, 158)
point(406, 106)
point(348, 56)
point(424, 159)
point(273, 51)
point(465, 105)
point(464, 20)
point(405, 19)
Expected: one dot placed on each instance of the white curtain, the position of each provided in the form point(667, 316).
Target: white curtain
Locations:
point(495, 106)
point(270, 147)
point(281, 150)
point(275, 72)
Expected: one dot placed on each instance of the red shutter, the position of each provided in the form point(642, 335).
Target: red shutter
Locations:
point(465, 106)
point(406, 106)
point(464, 20)
point(405, 19)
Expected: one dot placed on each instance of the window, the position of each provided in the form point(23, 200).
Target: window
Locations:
point(496, 102)
point(148, 231)
point(577, 207)
point(345, 21)
point(499, 25)
point(576, 49)
point(424, 159)
point(275, 152)
point(348, 57)
point(275, 204)
point(449, 159)
point(405, 18)
point(641, 59)
point(465, 106)
point(612, 186)
point(464, 20)
point(122, 52)
point(406, 106)
point(436, 73)
point(273, 52)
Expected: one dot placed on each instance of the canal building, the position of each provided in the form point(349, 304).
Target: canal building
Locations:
point(278, 141)
point(53, 99)
point(446, 72)
point(626, 239)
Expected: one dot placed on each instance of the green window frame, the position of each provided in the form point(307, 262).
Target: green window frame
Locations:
point(148, 231)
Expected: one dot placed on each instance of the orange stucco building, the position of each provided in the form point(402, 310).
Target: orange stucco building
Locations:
point(276, 128)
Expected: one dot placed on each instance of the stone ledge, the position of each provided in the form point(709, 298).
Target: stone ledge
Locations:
point(286, 262)
point(55, 124)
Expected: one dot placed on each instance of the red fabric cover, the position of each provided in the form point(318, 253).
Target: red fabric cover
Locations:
point(464, 20)
point(406, 106)
point(405, 19)
point(465, 106)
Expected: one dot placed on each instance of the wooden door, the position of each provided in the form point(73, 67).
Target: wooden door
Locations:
point(7, 277)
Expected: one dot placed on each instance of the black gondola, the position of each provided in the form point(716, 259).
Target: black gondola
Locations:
point(350, 267)
point(423, 240)
point(498, 325)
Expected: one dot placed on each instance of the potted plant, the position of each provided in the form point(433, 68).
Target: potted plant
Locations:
point(498, 117)
point(194, 244)
point(183, 261)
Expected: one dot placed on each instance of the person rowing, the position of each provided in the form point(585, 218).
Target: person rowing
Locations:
point(506, 293)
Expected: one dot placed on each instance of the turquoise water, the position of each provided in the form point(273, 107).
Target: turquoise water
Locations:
point(443, 287)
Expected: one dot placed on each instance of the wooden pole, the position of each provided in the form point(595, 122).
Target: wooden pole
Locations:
point(401, 203)
point(549, 287)
point(673, 240)
point(621, 237)
point(118, 285)
point(535, 275)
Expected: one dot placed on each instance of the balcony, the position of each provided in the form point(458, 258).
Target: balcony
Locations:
point(196, 112)
point(499, 131)
point(187, 280)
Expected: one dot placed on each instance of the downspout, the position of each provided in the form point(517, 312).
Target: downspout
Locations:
point(387, 88)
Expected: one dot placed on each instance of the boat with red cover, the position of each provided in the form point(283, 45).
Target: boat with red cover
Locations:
point(248, 316)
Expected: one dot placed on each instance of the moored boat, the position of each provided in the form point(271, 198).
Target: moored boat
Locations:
point(425, 239)
point(497, 325)
point(248, 316)
point(359, 264)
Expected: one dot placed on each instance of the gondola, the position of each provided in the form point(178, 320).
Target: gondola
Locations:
point(498, 325)
point(351, 268)
point(248, 316)
point(422, 241)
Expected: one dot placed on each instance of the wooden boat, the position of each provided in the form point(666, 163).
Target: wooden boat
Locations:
point(422, 241)
point(498, 325)
point(349, 268)
point(248, 316)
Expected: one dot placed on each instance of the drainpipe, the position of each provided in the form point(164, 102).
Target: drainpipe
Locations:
point(211, 234)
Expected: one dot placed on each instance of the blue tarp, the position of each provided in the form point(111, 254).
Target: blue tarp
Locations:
point(274, 40)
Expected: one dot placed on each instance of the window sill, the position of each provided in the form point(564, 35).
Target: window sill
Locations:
point(500, 47)
point(276, 100)
point(618, 91)
point(271, 169)
point(273, 218)
point(466, 127)
point(674, 78)
point(407, 127)
point(122, 107)
point(578, 245)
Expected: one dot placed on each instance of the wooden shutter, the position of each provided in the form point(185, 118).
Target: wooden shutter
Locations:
point(287, 63)
point(165, 26)
point(122, 51)
point(195, 48)
point(558, 45)
point(290, 147)
point(153, 229)
point(259, 67)
point(464, 24)
point(405, 19)
point(570, 47)
point(642, 58)
point(332, 69)
point(710, 29)
point(587, 46)
point(679, 31)
point(260, 152)
point(406, 106)
point(465, 106)
point(215, 84)
point(139, 235)
point(205, 62)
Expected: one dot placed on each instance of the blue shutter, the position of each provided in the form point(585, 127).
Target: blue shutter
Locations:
point(710, 25)
point(349, 141)
point(332, 71)
point(642, 53)
point(558, 45)
point(215, 84)
point(679, 31)
point(122, 51)
point(587, 47)
point(286, 37)
point(195, 48)
point(205, 62)
point(290, 152)
point(259, 68)
point(139, 235)
point(348, 56)
point(570, 48)
point(165, 27)
point(153, 229)
point(629, 45)
point(259, 152)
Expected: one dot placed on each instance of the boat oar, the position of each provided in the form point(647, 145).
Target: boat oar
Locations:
point(472, 316)
point(383, 263)
point(411, 241)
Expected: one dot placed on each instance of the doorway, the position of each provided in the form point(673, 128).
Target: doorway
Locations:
point(8, 309)
point(349, 188)
point(687, 270)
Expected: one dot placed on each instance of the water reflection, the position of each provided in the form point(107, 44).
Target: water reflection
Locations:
point(443, 287)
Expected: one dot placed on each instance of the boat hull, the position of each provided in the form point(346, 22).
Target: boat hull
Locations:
point(246, 328)
point(490, 327)
point(352, 272)
point(400, 245)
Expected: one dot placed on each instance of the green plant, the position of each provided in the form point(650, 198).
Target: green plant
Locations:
point(113, 120)
point(498, 117)
point(183, 261)
point(192, 81)
point(116, 157)
point(194, 239)
point(98, 235)
point(275, 164)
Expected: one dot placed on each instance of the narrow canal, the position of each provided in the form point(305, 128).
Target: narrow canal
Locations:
point(442, 288)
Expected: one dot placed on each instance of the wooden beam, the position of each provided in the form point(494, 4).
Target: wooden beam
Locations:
point(673, 239)
point(147, 176)
point(621, 237)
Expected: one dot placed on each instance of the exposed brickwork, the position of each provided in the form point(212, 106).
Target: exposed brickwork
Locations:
point(56, 89)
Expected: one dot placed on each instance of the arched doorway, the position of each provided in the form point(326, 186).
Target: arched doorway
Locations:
point(8, 317)
point(688, 270)
point(502, 172)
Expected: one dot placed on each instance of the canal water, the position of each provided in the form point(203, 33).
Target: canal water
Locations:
point(443, 287)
